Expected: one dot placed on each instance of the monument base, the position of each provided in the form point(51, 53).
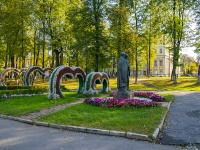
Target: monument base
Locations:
point(123, 94)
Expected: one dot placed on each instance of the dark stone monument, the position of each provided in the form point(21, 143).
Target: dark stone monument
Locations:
point(123, 73)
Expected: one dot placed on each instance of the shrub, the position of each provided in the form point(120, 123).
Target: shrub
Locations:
point(14, 87)
point(28, 90)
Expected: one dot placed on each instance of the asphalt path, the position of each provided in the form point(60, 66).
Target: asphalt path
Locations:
point(15, 135)
point(183, 122)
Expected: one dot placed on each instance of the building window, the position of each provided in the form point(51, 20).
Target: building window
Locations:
point(161, 63)
point(155, 63)
point(160, 50)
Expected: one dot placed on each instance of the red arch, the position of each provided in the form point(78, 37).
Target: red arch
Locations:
point(68, 70)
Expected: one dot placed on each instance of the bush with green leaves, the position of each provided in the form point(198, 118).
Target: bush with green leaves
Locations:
point(22, 91)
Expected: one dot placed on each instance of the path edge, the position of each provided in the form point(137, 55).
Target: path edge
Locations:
point(129, 135)
point(160, 126)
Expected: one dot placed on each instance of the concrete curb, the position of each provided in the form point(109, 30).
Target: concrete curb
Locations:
point(158, 129)
point(129, 135)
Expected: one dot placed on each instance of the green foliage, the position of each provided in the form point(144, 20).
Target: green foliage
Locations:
point(90, 34)
point(18, 90)
point(14, 87)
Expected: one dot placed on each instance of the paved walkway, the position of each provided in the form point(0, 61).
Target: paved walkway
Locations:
point(183, 124)
point(20, 136)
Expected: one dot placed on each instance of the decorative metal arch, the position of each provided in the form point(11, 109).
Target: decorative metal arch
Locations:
point(23, 70)
point(54, 81)
point(28, 75)
point(5, 71)
point(47, 69)
point(94, 78)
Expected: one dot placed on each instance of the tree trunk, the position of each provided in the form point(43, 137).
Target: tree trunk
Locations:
point(22, 50)
point(12, 60)
point(199, 74)
point(113, 67)
point(174, 44)
point(149, 59)
point(52, 48)
point(136, 47)
point(77, 58)
point(136, 64)
point(16, 65)
point(97, 32)
point(38, 54)
point(6, 61)
point(61, 56)
point(34, 48)
point(86, 62)
point(43, 49)
point(57, 57)
point(52, 61)
point(149, 52)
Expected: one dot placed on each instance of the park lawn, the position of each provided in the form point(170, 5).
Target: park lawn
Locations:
point(168, 97)
point(183, 83)
point(152, 84)
point(144, 84)
point(139, 120)
point(18, 106)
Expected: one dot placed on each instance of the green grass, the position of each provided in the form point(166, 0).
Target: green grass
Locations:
point(168, 97)
point(18, 106)
point(164, 83)
point(138, 120)
point(157, 83)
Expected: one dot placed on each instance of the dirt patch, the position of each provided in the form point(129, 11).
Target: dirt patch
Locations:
point(148, 85)
point(50, 110)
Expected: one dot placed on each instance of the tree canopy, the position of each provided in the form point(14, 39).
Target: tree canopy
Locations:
point(92, 33)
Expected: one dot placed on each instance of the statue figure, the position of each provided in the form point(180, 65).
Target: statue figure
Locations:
point(126, 57)
point(123, 72)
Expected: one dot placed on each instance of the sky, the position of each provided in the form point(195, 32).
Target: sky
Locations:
point(189, 51)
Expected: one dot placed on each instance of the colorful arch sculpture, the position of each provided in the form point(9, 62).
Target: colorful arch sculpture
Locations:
point(94, 78)
point(23, 70)
point(28, 76)
point(5, 71)
point(54, 81)
point(47, 69)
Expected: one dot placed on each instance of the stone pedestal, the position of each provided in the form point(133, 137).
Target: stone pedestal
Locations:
point(123, 94)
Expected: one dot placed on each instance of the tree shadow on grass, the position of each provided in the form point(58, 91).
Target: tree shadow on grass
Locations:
point(195, 86)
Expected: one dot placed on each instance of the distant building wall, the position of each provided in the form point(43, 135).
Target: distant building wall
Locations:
point(162, 65)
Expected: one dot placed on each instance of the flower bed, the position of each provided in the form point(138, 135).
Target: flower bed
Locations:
point(151, 95)
point(114, 102)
